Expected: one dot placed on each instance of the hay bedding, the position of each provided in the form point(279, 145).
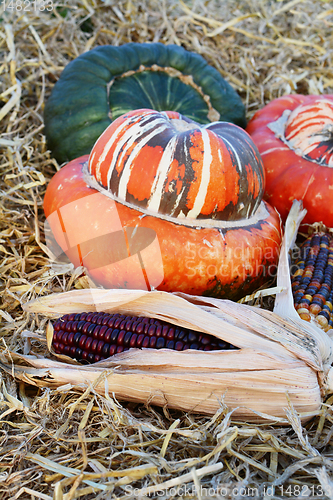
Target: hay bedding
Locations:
point(63, 444)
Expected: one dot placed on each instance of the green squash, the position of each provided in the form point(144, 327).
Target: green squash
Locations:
point(100, 85)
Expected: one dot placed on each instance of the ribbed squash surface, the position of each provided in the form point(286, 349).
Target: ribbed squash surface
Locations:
point(168, 164)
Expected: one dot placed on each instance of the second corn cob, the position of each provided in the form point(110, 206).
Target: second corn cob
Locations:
point(313, 279)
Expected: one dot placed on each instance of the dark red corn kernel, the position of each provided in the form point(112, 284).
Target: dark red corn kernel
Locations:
point(72, 351)
point(85, 327)
point(66, 350)
point(165, 331)
point(102, 331)
point(134, 325)
point(82, 340)
point(89, 316)
point(108, 335)
point(128, 325)
point(61, 347)
point(57, 325)
point(205, 340)
point(94, 345)
point(127, 338)
point(100, 318)
point(74, 326)
point(117, 322)
point(146, 328)
point(171, 334)
point(179, 345)
point(94, 318)
point(64, 338)
point(122, 325)
point(77, 338)
point(152, 341)
point(58, 335)
point(68, 326)
point(114, 335)
point(80, 325)
point(96, 332)
point(91, 357)
point(140, 340)
point(105, 320)
point(70, 338)
point(133, 340)
point(121, 336)
point(106, 350)
point(111, 321)
point(146, 341)
point(158, 331)
point(151, 330)
point(87, 344)
point(90, 329)
point(140, 327)
point(71, 317)
point(78, 353)
point(100, 345)
point(113, 349)
point(120, 348)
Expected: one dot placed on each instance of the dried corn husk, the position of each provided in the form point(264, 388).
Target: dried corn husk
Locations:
point(281, 361)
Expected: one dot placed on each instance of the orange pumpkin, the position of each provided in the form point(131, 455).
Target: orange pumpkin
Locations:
point(163, 202)
point(294, 135)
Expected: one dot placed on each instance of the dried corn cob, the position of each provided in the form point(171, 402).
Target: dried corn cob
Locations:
point(92, 337)
point(312, 281)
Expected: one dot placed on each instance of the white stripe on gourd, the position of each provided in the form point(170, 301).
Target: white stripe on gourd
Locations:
point(205, 177)
point(162, 174)
point(106, 149)
point(134, 134)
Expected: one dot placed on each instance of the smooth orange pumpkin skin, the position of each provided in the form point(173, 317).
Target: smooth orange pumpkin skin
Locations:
point(195, 261)
point(288, 175)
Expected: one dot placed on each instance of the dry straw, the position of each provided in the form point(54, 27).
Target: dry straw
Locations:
point(65, 443)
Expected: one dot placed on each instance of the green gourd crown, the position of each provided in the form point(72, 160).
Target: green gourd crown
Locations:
point(100, 85)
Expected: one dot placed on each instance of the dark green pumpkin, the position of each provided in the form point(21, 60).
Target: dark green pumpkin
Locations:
point(106, 82)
